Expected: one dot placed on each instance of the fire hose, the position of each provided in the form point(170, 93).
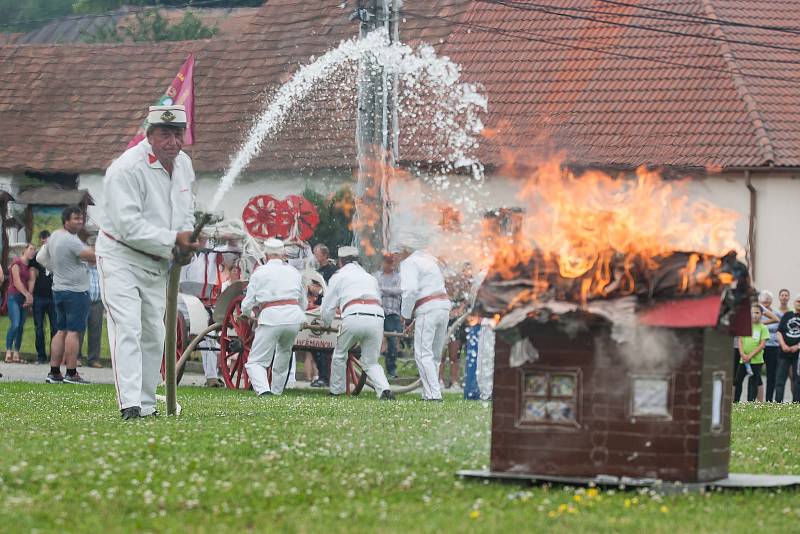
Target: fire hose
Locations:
point(171, 341)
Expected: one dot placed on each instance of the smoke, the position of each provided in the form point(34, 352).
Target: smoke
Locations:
point(644, 349)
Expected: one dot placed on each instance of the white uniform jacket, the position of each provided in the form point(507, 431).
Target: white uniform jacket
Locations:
point(351, 282)
point(144, 208)
point(420, 277)
point(275, 281)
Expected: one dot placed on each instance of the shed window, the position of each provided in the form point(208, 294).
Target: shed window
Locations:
point(550, 398)
point(650, 396)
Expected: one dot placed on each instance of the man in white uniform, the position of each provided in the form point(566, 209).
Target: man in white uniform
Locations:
point(148, 210)
point(355, 293)
point(425, 299)
point(276, 293)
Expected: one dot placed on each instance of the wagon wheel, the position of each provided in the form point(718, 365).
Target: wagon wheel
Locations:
point(235, 340)
point(181, 340)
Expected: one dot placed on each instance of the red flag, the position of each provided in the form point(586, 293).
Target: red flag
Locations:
point(180, 91)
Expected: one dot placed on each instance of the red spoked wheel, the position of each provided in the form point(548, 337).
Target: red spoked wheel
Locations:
point(235, 341)
point(181, 340)
point(265, 216)
point(305, 213)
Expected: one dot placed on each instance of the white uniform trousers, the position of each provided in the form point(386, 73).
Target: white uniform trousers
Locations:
point(272, 347)
point(135, 301)
point(366, 331)
point(210, 359)
point(430, 335)
point(485, 371)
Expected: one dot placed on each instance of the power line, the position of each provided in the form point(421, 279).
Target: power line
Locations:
point(608, 48)
point(538, 8)
point(534, 37)
point(702, 19)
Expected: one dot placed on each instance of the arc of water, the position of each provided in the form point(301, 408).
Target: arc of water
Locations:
point(293, 91)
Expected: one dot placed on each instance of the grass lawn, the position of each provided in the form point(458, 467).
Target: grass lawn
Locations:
point(307, 463)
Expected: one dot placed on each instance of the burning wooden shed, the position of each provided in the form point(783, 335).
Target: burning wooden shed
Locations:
point(635, 385)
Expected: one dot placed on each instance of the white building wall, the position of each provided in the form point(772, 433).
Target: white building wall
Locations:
point(777, 220)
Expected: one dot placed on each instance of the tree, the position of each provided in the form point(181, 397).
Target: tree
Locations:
point(335, 217)
point(27, 15)
point(150, 26)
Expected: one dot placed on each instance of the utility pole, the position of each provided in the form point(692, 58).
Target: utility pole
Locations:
point(376, 134)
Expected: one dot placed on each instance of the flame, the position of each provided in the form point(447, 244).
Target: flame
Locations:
point(571, 236)
point(597, 229)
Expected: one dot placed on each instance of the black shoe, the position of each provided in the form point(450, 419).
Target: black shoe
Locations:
point(154, 414)
point(266, 394)
point(75, 379)
point(54, 379)
point(318, 383)
point(132, 412)
point(387, 395)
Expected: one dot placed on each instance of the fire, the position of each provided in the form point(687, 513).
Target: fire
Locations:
point(598, 233)
point(571, 237)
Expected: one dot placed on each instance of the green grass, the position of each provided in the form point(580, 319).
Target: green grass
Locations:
point(307, 463)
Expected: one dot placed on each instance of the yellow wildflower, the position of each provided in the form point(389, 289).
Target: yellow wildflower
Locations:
point(475, 514)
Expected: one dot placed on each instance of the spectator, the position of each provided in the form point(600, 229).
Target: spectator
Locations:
point(94, 323)
point(314, 296)
point(322, 363)
point(391, 295)
point(326, 265)
point(20, 300)
point(789, 341)
point(783, 301)
point(458, 286)
point(772, 348)
point(751, 349)
point(70, 294)
point(43, 305)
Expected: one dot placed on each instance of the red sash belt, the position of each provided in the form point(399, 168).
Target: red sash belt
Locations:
point(435, 296)
point(124, 244)
point(273, 303)
point(360, 301)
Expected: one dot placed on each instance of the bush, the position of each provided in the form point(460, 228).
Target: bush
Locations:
point(335, 217)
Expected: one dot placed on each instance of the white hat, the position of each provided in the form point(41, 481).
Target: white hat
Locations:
point(408, 242)
point(273, 247)
point(167, 115)
point(346, 252)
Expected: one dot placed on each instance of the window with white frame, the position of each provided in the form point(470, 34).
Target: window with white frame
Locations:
point(650, 397)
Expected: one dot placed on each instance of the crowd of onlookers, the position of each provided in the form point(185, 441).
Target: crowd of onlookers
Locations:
point(769, 356)
point(61, 310)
